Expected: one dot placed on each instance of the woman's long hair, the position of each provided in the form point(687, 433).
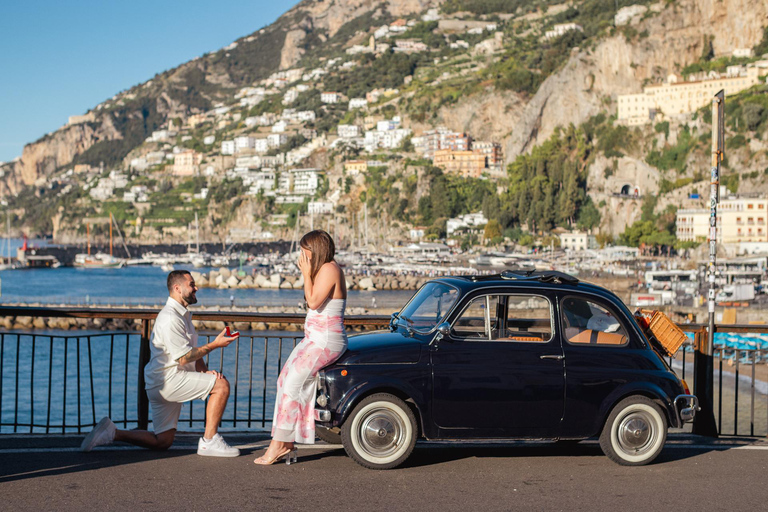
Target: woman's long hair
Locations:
point(321, 245)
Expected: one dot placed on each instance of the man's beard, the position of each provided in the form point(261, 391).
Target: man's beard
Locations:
point(190, 299)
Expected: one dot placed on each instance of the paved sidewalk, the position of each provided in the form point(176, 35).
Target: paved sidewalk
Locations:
point(692, 473)
point(257, 440)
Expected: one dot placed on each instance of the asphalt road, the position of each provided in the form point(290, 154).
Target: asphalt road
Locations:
point(691, 474)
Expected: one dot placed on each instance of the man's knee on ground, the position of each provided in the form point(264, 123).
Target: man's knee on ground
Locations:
point(165, 440)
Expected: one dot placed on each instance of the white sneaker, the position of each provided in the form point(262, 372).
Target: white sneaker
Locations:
point(216, 447)
point(103, 433)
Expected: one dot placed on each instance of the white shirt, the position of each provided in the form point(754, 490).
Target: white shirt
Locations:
point(172, 337)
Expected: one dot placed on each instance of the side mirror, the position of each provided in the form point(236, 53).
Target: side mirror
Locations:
point(443, 330)
point(393, 321)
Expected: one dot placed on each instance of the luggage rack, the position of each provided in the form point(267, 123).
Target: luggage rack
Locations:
point(528, 274)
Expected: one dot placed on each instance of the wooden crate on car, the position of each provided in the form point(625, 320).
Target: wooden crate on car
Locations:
point(657, 324)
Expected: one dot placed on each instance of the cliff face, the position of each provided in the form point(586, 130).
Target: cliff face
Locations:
point(676, 37)
point(41, 158)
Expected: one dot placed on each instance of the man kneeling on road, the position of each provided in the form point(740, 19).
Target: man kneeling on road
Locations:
point(175, 374)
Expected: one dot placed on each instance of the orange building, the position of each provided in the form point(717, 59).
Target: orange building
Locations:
point(467, 164)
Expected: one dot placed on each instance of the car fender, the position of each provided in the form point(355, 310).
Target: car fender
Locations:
point(643, 388)
point(380, 385)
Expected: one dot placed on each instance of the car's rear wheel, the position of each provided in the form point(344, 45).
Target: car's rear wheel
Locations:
point(328, 435)
point(380, 433)
point(635, 432)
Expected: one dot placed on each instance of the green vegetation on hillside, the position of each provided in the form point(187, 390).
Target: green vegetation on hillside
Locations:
point(385, 71)
point(135, 120)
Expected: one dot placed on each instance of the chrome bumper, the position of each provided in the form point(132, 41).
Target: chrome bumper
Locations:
point(322, 416)
point(686, 407)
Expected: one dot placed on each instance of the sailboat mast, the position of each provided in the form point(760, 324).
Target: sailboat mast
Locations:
point(197, 236)
point(110, 234)
point(88, 235)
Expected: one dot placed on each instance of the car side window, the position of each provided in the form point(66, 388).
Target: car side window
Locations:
point(478, 319)
point(588, 323)
point(529, 318)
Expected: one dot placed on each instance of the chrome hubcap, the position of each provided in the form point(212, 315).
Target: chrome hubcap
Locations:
point(636, 433)
point(381, 432)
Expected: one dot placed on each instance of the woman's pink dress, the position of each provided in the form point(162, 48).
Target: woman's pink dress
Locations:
point(325, 339)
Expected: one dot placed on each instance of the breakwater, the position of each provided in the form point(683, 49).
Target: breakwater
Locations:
point(225, 278)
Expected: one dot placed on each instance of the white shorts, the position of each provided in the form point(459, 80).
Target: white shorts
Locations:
point(180, 387)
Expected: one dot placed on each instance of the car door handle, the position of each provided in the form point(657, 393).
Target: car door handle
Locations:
point(557, 357)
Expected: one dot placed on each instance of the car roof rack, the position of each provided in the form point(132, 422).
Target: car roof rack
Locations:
point(528, 274)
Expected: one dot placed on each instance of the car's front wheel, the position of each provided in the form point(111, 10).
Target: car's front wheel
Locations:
point(380, 433)
point(635, 432)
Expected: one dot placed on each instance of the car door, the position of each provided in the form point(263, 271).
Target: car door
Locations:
point(499, 370)
point(601, 359)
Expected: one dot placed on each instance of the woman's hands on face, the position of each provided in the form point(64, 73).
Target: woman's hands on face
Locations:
point(304, 262)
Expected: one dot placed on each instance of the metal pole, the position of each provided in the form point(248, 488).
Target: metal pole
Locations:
point(144, 354)
point(704, 388)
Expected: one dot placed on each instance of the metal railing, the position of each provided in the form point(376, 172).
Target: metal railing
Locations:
point(57, 382)
point(730, 384)
point(60, 383)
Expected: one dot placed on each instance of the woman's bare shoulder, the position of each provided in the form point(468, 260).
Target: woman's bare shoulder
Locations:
point(331, 268)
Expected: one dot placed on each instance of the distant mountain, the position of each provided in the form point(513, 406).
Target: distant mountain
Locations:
point(490, 69)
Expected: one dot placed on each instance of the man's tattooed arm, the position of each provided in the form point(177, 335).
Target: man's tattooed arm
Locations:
point(195, 354)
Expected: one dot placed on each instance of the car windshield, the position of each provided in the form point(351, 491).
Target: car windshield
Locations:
point(428, 307)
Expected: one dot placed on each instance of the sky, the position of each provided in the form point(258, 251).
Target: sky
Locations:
point(61, 58)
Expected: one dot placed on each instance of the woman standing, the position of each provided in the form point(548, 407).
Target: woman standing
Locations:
point(324, 341)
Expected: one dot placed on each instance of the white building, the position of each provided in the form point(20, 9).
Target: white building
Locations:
point(279, 126)
point(210, 139)
point(348, 131)
point(139, 164)
point(319, 207)
point(305, 181)
point(290, 96)
point(227, 147)
point(275, 140)
point(251, 101)
point(261, 145)
point(385, 139)
point(305, 116)
point(162, 135)
point(262, 180)
point(561, 29)
point(244, 142)
point(577, 241)
point(330, 97)
point(137, 194)
point(470, 220)
point(358, 103)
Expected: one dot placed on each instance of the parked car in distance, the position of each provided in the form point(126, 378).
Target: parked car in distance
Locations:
point(517, 355)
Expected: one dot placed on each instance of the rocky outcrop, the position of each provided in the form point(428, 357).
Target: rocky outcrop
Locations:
point(226, 279)
point(675, 37)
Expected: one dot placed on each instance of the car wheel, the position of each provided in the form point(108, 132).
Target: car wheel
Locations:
point(380, 433)
point(328, 435)
point(635, 432)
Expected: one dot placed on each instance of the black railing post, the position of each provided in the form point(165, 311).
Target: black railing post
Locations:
point(143, 400)
point(703, 386)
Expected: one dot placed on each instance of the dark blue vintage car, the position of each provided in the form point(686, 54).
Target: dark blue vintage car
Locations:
point(519, 355)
